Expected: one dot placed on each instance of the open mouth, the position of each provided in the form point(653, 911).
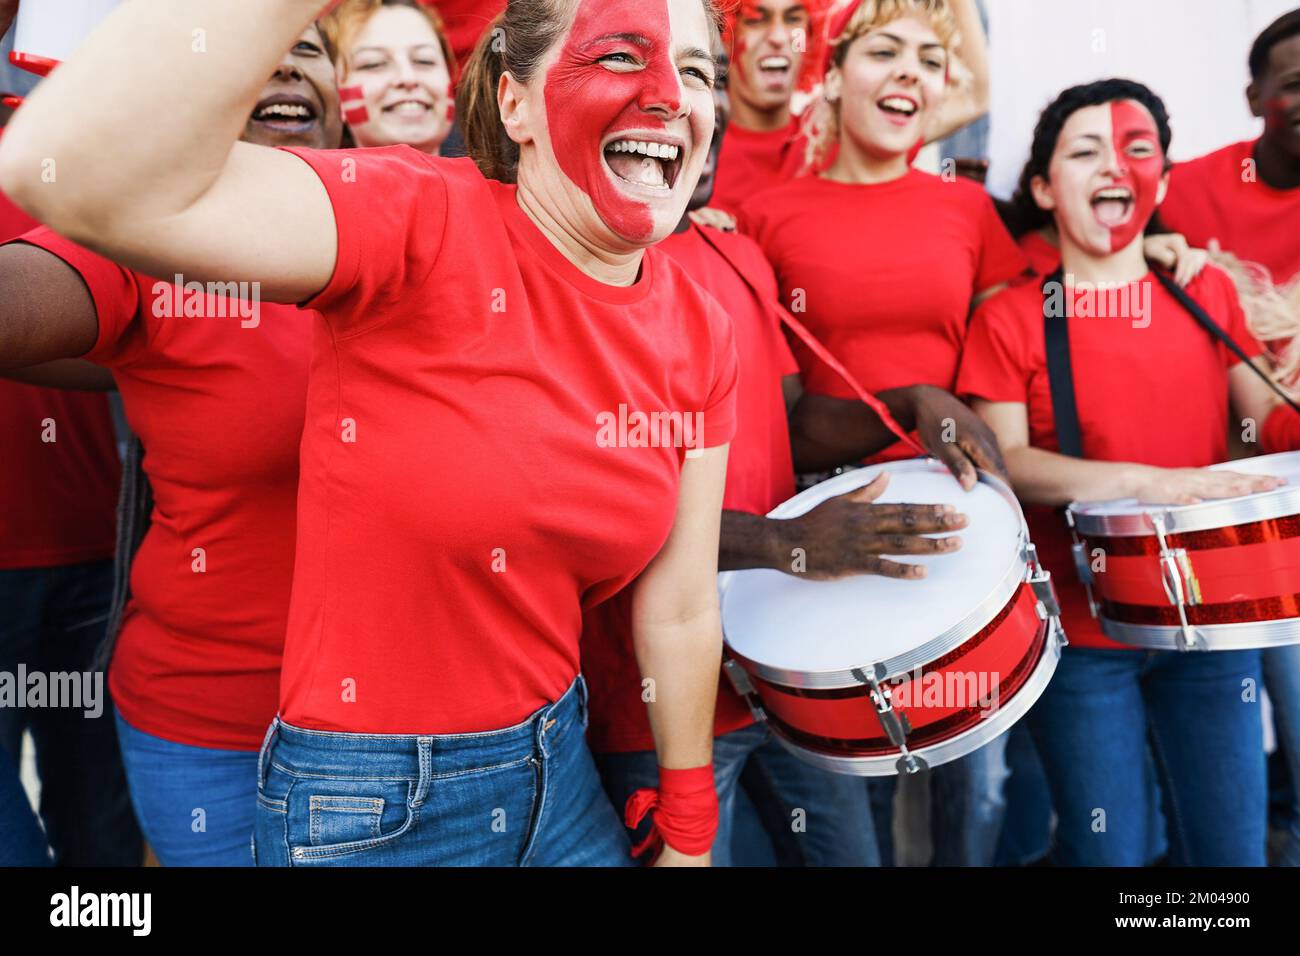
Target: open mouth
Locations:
point(903, 107)
point(1113, 206)
point(287, 112)
point(409, 108)
point(647, 163)
point(774, 65)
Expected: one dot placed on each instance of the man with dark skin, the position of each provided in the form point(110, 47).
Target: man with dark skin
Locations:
point(848, 535)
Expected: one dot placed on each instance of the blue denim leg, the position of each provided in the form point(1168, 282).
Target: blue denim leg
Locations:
point(967, 804)
point(1027, 823)
point(1282, 678)
point(625, 773)
point(196, 805)
point(1208, 740)
point(525, 795)
point(22, 842)
point(1090, 729)
point(814, 817)
point(54, 622)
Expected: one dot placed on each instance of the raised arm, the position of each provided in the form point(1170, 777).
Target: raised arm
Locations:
point(178, 194)
point(968, 99)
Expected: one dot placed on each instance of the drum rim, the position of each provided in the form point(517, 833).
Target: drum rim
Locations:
point(954, 637)
point(1280, 503)
point(1241, 636)
point(964, 743)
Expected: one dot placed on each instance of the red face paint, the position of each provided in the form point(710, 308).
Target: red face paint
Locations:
point(451, 102)
point(352, 100)
point(1130, 122)
point(587, 104)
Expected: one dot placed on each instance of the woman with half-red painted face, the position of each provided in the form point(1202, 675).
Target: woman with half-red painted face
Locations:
point(517, 325)
point(1152, 391)
point(214, 383)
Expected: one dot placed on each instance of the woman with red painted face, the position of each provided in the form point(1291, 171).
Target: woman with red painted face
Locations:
point(1153, 392)
point(883, 262)
point(396, 72)
point(214, 386)
point(516, 407)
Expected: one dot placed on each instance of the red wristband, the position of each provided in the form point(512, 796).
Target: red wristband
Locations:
point(683, 812)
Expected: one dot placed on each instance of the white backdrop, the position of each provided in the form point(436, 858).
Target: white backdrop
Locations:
point(1191, 52)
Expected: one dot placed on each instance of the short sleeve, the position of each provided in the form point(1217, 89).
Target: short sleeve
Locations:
point(995, 362)
point(114, 290)
point(1000, 259)
point(390, 211)
point(720, 407)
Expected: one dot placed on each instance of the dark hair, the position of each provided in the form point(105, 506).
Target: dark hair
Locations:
point(1283, 28)
point(516, 41)
point(1022, 214)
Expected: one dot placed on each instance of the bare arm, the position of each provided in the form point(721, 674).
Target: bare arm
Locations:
point(47, 312)
point(180, 195)
point(72, 375)
point(676, 626)
point(967, 100)
point(1251, 399)
point(1049, 478)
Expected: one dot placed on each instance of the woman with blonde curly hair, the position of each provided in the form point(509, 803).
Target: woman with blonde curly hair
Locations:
point(886, 262)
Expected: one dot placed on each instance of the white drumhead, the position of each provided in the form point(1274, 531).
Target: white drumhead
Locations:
point(785, 622)
point(54, 28)
point(1285, 465)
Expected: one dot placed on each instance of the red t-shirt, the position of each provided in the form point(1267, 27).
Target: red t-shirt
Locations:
point(760, 475)
point(475, 462)
point(1044, 258)
point(219, 410)
point(1214, 198)
point(883, 275)
point(755, 160)
point(465, 21)
point(1127, 379)
point(58, 490)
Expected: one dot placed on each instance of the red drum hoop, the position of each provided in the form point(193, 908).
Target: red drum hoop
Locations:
point(874, 676)
point(1220, 575)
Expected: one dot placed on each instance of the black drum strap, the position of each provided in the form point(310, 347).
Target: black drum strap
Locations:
point(1060, 371)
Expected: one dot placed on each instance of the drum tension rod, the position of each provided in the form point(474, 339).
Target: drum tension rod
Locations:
point(896, 725)
point(1181, 586)
point(742, 686)
point(1081, 564)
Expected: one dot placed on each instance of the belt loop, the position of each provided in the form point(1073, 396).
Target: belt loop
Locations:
point(264, 753)
point(424, 746)
point(543, 723)
point(582, 699)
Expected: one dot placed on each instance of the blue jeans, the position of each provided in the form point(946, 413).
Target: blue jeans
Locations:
point(1092, 727)
point(195, 804)
point(528, 795)
point(966, 807)
point(52, 621)
point(1027, 827)
point(814, 818)
point(21, 841)
point(1282, 678)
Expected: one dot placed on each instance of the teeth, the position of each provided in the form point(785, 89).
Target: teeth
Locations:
point(287, 110)
point(1121, 194)
point(774, 63)
point(899, 104)
point(653, 150)
point(409, 106)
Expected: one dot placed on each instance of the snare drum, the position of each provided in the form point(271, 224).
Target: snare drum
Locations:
point(47, 31)
point(1220, 575)
point(875, 676)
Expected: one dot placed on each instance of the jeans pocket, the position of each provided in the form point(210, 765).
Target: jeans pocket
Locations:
point(344, 819)
point(329, 818)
